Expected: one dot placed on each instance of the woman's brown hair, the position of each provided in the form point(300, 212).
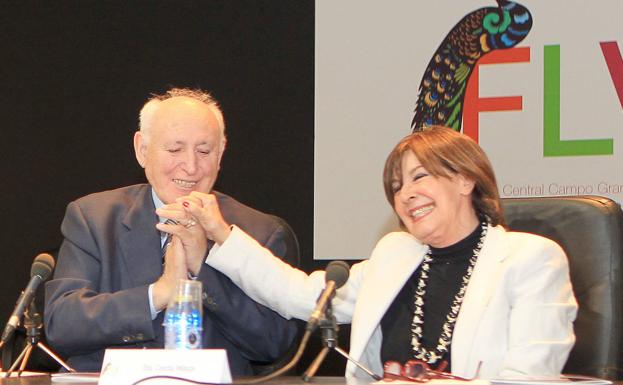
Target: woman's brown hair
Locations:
point(442, 152)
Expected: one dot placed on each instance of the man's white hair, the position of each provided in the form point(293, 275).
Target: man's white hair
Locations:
point(150, 107)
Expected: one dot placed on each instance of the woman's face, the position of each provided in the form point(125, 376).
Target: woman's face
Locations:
point(436, 210)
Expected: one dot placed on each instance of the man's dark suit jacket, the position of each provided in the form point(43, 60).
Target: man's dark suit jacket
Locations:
point(98, 297)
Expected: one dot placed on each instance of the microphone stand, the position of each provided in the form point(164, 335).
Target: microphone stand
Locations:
point(33, 325)
point(329, 328)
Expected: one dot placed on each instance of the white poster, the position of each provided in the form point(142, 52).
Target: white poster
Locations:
point(548, 110)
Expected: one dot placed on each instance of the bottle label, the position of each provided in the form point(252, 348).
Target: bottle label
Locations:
point(182, 330)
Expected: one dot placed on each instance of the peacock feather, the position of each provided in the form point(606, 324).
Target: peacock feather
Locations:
point(442, 89)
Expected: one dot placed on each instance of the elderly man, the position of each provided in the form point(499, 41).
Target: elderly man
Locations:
point(111, 282)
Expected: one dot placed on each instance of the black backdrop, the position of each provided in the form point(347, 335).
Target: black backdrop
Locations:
point(76, 73)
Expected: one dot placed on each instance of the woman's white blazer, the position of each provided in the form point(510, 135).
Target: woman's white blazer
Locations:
point(516, 318)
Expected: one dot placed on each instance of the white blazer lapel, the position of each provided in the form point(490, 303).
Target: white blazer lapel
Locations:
point(390, 266)
point(479, 291)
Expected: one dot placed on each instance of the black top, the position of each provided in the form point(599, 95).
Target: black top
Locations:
point(447, 268)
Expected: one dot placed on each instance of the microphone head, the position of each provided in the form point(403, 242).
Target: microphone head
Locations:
point(42, 266)
point(337, 271)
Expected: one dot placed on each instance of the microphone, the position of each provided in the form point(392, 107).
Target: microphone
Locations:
point(336, 276)
point(40, 271)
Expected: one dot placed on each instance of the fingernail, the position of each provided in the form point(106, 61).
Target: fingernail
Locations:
point(185, 204)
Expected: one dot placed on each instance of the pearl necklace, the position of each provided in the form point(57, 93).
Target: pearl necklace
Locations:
point(419, 351)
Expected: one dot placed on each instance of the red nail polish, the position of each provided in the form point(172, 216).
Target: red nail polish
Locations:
point(185, 204)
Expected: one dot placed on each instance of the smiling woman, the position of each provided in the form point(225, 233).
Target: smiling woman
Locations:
point(438, 183)
point(436, 210)
point(446, 153)
point(455, 290)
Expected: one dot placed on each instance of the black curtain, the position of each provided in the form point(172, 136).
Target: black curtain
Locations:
point(76, 73)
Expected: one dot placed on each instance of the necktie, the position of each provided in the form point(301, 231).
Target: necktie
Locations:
point(168, 237)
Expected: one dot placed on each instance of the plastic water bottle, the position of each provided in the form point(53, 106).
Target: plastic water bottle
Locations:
point(183, 317)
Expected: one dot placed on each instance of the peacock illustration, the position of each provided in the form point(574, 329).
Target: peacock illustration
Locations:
point(442, 89)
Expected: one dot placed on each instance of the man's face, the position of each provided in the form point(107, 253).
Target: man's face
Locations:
point(183, 149)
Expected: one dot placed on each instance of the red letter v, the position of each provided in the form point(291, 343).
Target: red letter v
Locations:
point(614, 62)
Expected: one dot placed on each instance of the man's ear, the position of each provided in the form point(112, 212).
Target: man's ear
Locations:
point(140, 148)
point(222, 146)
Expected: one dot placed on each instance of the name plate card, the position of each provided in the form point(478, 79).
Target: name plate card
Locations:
point(127, 366)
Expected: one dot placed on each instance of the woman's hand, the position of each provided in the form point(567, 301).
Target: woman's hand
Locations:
point(192, 237)
point(204, 207)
